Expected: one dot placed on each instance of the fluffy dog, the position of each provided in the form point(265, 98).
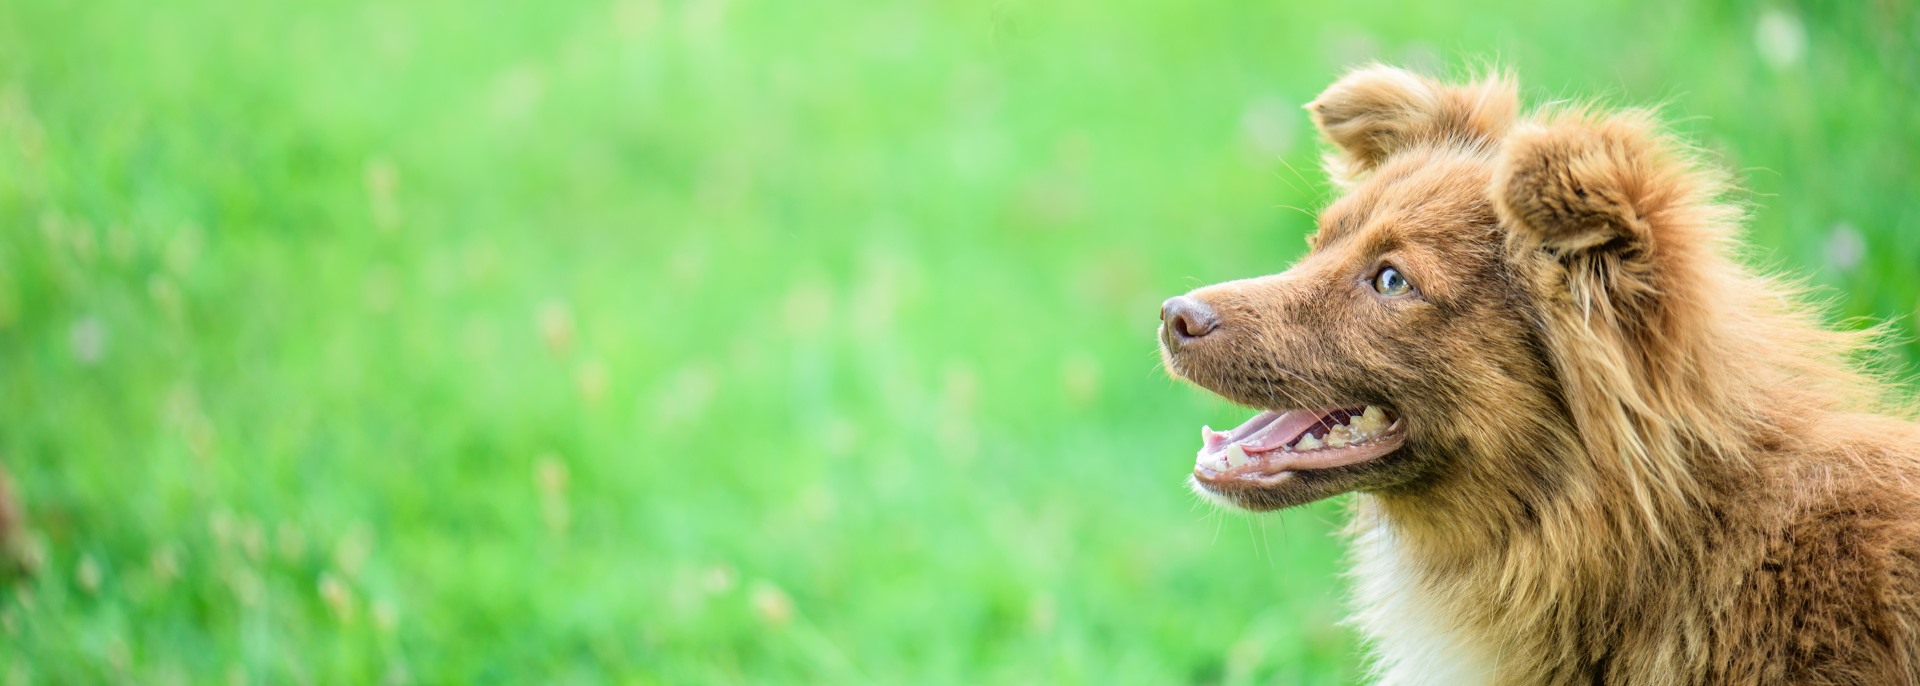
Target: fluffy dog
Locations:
point(1589, 446)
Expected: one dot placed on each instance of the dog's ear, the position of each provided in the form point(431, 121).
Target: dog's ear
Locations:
point(1580, 184)
point(1375, 111)
point(1613, 200)
point(1620, 206)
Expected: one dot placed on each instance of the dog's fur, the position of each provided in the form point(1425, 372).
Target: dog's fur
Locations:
point(1629, 458)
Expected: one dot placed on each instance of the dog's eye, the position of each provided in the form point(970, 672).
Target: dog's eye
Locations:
point(1390, 282)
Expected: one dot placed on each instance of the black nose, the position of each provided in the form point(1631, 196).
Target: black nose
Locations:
point(1186, 318)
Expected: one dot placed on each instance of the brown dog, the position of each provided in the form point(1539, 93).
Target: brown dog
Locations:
point(1590, 446)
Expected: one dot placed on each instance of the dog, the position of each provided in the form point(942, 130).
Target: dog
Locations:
point(1588, 445)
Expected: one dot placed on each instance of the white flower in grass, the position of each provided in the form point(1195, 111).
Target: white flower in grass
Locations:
point(220, 523)
point(165, 564)
point(88, 340)
point(807, 309)
point(337, 596)
point(1781, 38)
point(246, 585)
point(1350, 49)
point(1043, 612)
point(684, 397)
point(87, 574)
point(773, 605)
point(1267, 124)
point(382, 182)
point(385, 616)
point(1845, 247)
point(555, 321)
point(590, 378)
point(718, 578)
point(550, 475)
point(350, 554)
point(166, 295)
point(253, 539)
point(635, 19)
point(518, 92)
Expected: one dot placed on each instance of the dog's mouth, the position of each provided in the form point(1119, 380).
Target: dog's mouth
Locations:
point(1273, 444)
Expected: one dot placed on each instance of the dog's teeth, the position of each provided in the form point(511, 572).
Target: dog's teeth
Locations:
point(1236, 456)
point(1307, 442)
point(1368, 423)
point(1340, 436)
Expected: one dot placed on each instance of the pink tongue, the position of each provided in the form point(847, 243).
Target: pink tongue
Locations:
point(1282, 431)
point(1265, 432)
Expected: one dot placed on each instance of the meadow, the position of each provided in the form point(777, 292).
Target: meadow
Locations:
point(737, 342)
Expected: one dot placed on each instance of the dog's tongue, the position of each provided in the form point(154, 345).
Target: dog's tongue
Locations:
point(1265, 432)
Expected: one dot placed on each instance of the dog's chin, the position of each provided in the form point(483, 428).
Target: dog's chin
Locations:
point(1281, 459)
point(1296, 488)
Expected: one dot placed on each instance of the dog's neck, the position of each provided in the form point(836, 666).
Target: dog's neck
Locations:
point(1535, 502)
point(1537, 554)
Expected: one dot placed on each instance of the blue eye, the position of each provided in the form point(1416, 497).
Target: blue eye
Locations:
point(1390, 282)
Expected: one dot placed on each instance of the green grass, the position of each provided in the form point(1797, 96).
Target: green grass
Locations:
point(736, 342)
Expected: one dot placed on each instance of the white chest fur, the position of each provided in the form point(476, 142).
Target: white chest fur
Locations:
point(1412, 640)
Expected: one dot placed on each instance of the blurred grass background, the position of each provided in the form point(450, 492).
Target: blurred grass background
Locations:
point(699, 341)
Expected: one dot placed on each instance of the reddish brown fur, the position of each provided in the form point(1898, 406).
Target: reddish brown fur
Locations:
point(1630, 459)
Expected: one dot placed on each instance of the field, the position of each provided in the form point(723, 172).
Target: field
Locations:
point(743, 342)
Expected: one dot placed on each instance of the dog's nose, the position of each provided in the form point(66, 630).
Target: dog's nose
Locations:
point(1187, 318)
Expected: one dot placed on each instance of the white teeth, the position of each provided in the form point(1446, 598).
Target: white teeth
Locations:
point(1368, 424)
point(1307, 443)
point(1210, 439)
point(1339, 436)
point(1236, 456)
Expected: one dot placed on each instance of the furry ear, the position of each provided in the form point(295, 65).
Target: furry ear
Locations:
point(1579, 183)
point(1621, 207)
point(1377, 110)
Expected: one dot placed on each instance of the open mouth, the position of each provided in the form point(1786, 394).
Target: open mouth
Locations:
point(1273, 443)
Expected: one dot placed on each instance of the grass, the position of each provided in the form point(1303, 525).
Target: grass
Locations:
point(739, 342)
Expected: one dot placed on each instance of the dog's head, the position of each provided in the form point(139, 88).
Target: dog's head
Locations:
point(1427, 334)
